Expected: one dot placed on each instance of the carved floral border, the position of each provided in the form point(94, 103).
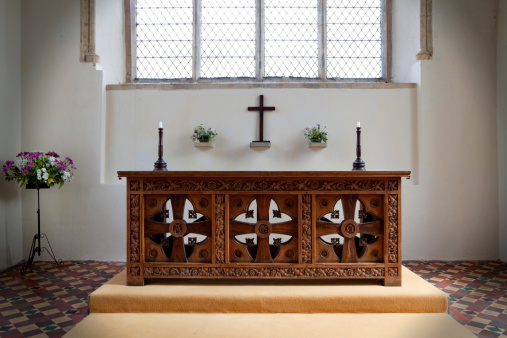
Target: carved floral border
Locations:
point(220, 228)
point(226, 185)
point(393, 228)
point(275, 272)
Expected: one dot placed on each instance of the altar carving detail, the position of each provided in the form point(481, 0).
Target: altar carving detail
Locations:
point(264, 225)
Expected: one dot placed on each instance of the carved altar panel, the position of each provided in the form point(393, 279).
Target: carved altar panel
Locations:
point(263, 228)
point(350, 228)
point(263, 225)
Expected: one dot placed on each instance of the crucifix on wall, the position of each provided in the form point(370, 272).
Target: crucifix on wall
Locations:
point(261, 109)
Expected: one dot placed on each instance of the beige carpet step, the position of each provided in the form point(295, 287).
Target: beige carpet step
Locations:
point(392, 325)
point(241, 296)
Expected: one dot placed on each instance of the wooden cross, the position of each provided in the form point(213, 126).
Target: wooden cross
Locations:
point(261, 110)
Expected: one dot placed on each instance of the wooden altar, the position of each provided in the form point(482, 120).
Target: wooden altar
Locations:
point(255, 224)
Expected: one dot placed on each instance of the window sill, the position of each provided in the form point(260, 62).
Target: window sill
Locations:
point(253, 85)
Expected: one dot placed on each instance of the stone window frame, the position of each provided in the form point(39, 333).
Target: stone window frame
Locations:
point(130, 52)
point(87, 38)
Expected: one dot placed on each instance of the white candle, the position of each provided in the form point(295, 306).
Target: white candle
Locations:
point(358, 124)
point(160, 124)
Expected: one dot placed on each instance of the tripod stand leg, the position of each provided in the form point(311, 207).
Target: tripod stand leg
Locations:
point(33, 250)
point(50, 251)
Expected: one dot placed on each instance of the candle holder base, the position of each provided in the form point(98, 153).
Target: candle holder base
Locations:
point(358, 164)
point(160, 165)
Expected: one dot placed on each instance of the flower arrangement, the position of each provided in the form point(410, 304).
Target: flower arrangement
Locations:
point(203, 135)
point(39, 169)
point(316, 133)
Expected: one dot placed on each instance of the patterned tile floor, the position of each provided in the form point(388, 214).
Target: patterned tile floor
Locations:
point(49, 300)
point(477, 292)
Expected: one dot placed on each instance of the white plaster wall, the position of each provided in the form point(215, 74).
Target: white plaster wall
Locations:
point(453, 213)
point(10, 131)
point(133, 116)
point(405, 41)
point(501, 124)
point(62, 111)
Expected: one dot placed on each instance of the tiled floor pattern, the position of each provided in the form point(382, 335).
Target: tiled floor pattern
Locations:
point(48, 300)
point(477, 292)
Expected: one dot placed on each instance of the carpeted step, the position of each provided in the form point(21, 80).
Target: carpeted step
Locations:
point(392, 325)
point(275, 296)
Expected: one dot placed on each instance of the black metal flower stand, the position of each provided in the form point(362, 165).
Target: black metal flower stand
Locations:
point(36, 248)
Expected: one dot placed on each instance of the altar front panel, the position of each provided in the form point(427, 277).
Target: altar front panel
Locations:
point(313, 225)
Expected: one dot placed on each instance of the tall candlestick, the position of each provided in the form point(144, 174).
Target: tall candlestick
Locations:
point(160, 164)
point(358, 163)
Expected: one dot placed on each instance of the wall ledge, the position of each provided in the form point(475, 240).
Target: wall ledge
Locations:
point(274, 85)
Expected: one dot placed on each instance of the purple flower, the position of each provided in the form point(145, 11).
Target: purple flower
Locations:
point(23, 154)
point(68, 159)
point(52, 153)
point(29, 165)
point(60, 165)
point(23, 170)
point(8, 165)
point(31, 156)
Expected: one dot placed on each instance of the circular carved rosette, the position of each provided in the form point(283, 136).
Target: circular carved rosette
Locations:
point(203, 202)
point(153, 253)
point(263, 229)
point(375, 202)
point(152, 202)
point(178, 228)
point(237, 253)
point(289, 202)
point(349, 228)
point(237, 203)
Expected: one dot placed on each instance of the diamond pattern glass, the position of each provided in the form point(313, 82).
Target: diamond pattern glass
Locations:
point(354, 39)
point(228, 38)
point(164, 33)
point(291, 45)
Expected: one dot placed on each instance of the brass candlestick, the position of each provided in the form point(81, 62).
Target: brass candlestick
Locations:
point(160, 164)
point(358, 163)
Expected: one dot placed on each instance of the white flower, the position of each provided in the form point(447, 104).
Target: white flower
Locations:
point(38, 174)
point(52, 160)
point(66, 176)
point(45, 176)
point(44, 170)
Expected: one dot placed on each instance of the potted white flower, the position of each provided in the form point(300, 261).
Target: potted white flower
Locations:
point(203, 136)
point(317, 135)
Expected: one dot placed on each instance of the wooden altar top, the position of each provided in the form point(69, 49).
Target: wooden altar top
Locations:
point(264, 174)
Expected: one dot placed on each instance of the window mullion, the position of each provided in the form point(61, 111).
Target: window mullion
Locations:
point(259, 37)
point(196, 44)
point(322, 7)
point(386, 40)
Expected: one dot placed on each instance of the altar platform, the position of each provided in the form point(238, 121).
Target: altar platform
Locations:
point(269, 296)
point(233, 308)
